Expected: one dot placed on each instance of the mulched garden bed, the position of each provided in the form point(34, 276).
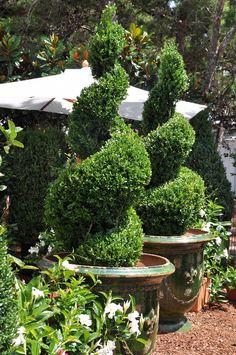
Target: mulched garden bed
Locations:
point(213, 333)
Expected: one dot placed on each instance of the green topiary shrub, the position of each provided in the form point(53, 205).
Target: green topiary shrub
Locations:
point(8, 304)
point(29, 172)
point(93, 114)
point(172, 201)
point(90, 204)
point(173, 207)
point(205, 160)
point(172, 82)
point(93, 196)
point(168, 147)
point(108, 248)
point(107, 44)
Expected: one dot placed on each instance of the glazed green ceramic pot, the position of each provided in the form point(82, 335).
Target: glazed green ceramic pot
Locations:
point(143, 283)
point(179, 291)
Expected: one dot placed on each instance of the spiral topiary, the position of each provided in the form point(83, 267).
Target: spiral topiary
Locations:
point(173, 199)
point(90, 204)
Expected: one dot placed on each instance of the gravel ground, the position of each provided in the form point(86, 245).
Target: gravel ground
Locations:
point(213, 333)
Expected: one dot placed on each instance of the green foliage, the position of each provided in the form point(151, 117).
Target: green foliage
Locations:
point(8, 305)
point(60, 313)
point(107, 43)
point(28, 173)
point(10, 52)
point(93, 196)
point(94, 112)
point(206, 161)
point(139, 56)
point(172, 82)
point(230, 278)
point(121, 246)
point(168, 147)
point(174, 206)
point(216, 261)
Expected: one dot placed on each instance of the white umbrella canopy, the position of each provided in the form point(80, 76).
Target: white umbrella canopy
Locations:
point(56, 93)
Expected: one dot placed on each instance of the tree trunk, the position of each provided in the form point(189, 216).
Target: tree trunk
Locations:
point(213, 54)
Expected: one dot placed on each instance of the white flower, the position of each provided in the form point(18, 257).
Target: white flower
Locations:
point(67, 265)
point(42, 243)
point(132, 316)
point(219, 227)
point(218, 240)
point(85, 320)
point(141, 320)
point(207, 227)
point(107, 349)
point(20, 339)
point(202, 213)
point(134, 327)
point(21, 330)
point(37, 293)
point(112, 308)
point(225, 253)
point(49, 249)
point(126, 306)
point(34, 250)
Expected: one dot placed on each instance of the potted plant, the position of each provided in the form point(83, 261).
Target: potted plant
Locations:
point(90, 205)
point(230, 283)
point(175, 195)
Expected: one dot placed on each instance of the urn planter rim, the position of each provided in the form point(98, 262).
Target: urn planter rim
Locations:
point(191, 236)
point(164, 268)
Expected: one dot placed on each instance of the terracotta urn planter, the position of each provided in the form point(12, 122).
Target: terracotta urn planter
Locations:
point(203, 296)
point(143, 282)
point(179, 291)
point(231, 294)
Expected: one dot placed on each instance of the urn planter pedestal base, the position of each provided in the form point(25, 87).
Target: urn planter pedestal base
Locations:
point(179, 291)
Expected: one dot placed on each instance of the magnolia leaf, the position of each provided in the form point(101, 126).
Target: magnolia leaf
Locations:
point(18, 144)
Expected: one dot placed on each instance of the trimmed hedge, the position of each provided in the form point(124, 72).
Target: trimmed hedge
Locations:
point(94, 112)
point(205, 160)
point(29, 173)
point(120, 246)
point(172, 82)
point(168, 147)
point(173, 207)
point(93, 196)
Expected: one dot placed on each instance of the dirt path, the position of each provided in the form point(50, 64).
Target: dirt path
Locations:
point(213, 333)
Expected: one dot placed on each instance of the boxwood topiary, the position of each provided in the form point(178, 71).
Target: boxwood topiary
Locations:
point(168, 147)
point(172, 82)
point(173, 207)
point(173, 199)
point(119, 246)
point(90, 204)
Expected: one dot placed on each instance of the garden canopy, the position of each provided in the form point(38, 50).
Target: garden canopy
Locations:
point(56, 93)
